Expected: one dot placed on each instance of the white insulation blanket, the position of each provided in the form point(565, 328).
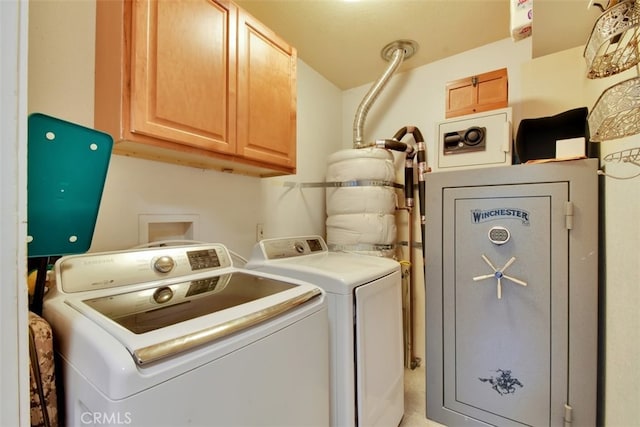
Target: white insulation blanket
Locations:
point(367, 228)
point(364, 214)
point(365, 163)
point(349, 200)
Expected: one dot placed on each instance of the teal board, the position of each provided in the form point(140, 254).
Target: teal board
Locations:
point(66, 169)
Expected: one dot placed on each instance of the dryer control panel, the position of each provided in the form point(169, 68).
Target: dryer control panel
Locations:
point(289, 247)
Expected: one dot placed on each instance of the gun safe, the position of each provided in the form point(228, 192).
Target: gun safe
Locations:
point(511, 265)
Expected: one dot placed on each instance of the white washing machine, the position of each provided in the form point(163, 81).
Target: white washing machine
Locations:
point(365, 320)
point(179, 336)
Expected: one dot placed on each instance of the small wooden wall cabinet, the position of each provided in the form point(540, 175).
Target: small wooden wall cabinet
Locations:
point(199, 83)
point(475, 94)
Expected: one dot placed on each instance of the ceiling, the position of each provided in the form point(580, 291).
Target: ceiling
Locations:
point(342, 39)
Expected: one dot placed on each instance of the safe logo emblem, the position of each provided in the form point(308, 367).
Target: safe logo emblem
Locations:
point(503, 383)
point(483, 215)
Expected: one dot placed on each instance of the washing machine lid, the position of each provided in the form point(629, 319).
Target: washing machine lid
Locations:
point(153, 308)
point(307, 258)
point(159, 321)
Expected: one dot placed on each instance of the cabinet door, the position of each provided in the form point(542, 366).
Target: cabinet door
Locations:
point(184, 71)
point(476, 94)
point(266, 95)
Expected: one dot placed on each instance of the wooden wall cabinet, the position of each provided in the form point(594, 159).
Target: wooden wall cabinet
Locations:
point(196, 82)
point(475, 94)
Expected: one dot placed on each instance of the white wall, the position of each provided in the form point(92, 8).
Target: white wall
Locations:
point(417, 97)
point(227, 207)
point(556, 83)
point(622, 293)
point(295, 210)
point(219, 203)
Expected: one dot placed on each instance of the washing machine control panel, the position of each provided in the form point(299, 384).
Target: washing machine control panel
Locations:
point(289, 247)
point(92, 271)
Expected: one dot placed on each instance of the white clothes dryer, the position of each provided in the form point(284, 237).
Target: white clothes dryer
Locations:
point(178, 336)
point(365, 324)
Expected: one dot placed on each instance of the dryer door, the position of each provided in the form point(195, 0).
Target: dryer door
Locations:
point(379, 354)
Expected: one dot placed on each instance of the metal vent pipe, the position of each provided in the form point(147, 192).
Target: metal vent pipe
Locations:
point(395, 52)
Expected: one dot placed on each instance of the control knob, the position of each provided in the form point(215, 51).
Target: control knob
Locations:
point(164, 264)
point(162, 295)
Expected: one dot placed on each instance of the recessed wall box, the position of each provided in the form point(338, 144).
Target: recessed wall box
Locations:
point(167, 227)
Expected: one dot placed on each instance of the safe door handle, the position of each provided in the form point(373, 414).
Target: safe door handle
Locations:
point(498, 274)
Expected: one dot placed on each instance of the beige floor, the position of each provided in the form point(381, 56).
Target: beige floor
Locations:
point(414, 400)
